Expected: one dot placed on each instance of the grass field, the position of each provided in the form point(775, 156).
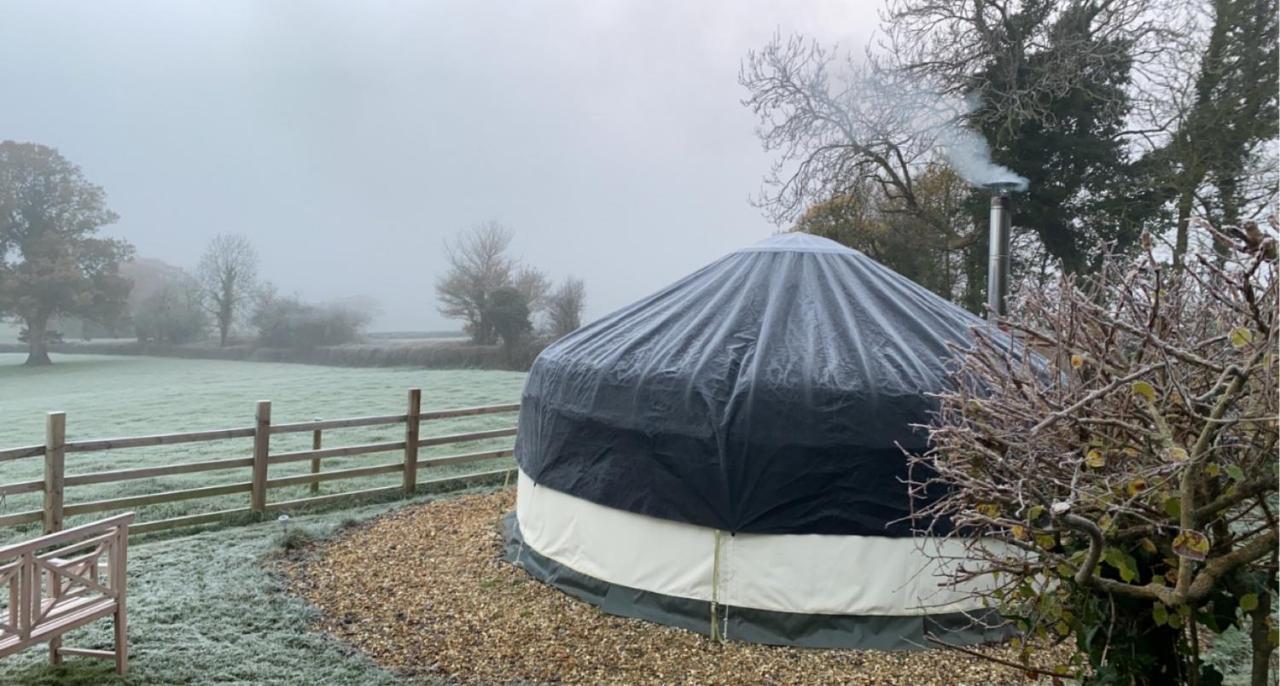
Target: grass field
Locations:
point(107, 396)
point(206, 608)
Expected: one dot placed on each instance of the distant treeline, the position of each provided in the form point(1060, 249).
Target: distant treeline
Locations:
point(414, 335)
point(58, 274)
point(429, 355)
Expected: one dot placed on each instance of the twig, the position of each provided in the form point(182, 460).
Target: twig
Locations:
point(1115, 384)
point(991, 658)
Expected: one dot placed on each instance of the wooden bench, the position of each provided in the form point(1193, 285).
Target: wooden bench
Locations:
point(62, 581)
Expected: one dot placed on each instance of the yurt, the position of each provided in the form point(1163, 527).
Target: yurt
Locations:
point(726, 455)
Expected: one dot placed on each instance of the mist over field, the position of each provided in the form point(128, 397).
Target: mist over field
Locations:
point(348, 140)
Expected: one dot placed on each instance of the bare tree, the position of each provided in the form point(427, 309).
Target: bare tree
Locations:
point(565, 305)
point(834, 124)
point(1012, 55)
point(845, 129)
point(478, 266)
point(533, 285)
point(228, 272)
point(1124, 484)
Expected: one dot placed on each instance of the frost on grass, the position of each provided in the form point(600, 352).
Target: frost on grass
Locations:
point(211, 609)
point(106, 396)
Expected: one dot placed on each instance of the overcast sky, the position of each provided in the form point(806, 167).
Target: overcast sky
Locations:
point(349, 139)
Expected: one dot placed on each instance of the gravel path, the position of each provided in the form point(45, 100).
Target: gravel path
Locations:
point(422, 590)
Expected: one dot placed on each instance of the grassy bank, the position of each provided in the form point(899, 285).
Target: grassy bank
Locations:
point(107, 396)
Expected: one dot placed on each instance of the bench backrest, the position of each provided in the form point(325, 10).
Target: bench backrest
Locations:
point(48, 582)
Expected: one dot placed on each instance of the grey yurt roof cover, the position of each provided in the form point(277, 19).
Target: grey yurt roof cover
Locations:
point(768, 392)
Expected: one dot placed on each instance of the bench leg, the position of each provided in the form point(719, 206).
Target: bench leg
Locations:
point(54, 591)
point(122, 640)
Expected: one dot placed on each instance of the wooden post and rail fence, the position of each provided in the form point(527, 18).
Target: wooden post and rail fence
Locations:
point(56, 480)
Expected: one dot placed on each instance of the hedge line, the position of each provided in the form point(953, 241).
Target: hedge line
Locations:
point(430, 355)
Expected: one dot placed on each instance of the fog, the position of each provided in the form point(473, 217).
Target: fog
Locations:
point(349, 139)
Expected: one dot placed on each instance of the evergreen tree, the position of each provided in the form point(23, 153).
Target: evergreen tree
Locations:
point(1084, 191)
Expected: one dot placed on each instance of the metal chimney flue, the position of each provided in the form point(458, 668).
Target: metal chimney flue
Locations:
point(998, 250)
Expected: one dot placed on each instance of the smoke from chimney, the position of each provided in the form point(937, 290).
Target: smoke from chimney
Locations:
point(970, 156)
point(940, 117)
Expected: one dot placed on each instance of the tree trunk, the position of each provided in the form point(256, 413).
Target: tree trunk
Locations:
point(1228, 192)
point(38, 342)
point(975, 273)
point(484, 333)
point(224, 325)
point(1185, 199)
point(1259, 634)
point(1136, 651)
point(1166, 661)
point(1229, 189)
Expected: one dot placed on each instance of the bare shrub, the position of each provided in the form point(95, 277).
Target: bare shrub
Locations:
point(291, 323)
point(173, 313)
point(1129, 482)
point(565, 305)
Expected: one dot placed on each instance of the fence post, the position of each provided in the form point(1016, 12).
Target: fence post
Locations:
point(261, 448)
point(315, 461)
point(411, 420)
point(55, 440)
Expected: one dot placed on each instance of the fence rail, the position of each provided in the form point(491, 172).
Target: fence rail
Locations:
point(56, 480)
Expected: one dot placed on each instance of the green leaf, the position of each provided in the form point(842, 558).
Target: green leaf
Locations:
point(1123, 562)
point(1094, 458)
point(1145, 390)
point(1160, 614)
point(1173, 506)
point(1249, 602)
point(1175, 621)
point(1240, 337)
point(1235, 472)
